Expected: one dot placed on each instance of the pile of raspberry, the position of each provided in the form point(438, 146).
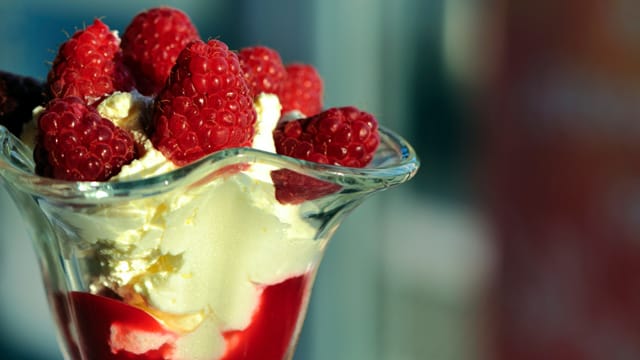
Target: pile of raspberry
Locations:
point(202, 94)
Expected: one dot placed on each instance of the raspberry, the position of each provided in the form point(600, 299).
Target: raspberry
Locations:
point(263, 69)
point(301, 90)
point(294, 188)
point(18, 96)
point(76, 143)
point(339, 136)
point(89, 65)
point(205, 105)
point(151, 44)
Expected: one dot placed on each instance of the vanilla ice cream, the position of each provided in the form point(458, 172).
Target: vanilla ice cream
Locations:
point(197, 258)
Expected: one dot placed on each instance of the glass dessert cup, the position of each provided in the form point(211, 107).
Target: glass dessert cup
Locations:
point(203, 262)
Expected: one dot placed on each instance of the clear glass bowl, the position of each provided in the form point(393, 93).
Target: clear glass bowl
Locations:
point(214, 260)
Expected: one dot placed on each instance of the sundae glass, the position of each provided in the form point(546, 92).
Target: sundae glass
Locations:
point(166, 258)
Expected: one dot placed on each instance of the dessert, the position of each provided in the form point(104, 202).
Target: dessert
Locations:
point(219, 269)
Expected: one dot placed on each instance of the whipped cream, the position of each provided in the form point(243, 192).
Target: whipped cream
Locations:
point(129, 111)
point(267, 108)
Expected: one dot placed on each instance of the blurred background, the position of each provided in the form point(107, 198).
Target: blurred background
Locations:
point(520, 236)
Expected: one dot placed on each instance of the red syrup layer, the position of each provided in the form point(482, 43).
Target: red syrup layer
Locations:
point(106, 325)
point(273, 323)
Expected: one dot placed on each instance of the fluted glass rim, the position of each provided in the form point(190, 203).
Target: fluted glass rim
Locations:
point(395, 162)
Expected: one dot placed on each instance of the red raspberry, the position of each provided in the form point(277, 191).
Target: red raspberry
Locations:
point(151, 44)
point(205, 105)
point(294, 188)
point(301, 90)
point(263, 69)
point(18, 96)
point(89, 65)
point(339, 136)
point(76, 143)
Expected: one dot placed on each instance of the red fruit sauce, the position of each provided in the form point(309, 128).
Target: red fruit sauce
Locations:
point(266, 338)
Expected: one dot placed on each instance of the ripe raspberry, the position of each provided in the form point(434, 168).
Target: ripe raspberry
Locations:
point(76, 143)
point(18, 96)
point(263, 69)
point(339, 136)
point(89, 65)
point(151, 44)
point(301, 90)
point(205, 105)
point(294, 188)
